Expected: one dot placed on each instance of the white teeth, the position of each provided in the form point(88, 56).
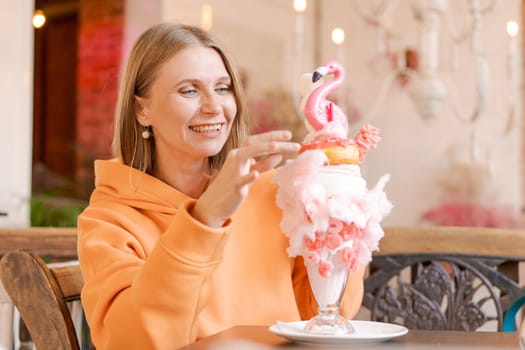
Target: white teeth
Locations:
point(206, 128)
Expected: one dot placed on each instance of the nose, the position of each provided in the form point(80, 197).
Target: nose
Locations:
point(210, 104)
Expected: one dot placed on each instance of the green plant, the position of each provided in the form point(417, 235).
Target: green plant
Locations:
point(55, 211)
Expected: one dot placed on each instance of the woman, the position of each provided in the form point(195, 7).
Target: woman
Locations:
point(181, 237)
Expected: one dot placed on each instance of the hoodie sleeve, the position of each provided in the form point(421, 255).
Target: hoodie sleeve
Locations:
point(135, 300)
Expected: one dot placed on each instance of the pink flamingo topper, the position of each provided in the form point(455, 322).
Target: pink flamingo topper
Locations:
point(318, 111)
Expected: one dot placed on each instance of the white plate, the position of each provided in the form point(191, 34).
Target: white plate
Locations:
point(365, 332)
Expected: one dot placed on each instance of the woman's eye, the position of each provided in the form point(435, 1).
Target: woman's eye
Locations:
point(224, 89)
point(189, 92)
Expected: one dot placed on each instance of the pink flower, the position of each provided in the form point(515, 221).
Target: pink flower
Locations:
point(325, 268)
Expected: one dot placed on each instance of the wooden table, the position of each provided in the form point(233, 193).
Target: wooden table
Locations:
point(260, 338)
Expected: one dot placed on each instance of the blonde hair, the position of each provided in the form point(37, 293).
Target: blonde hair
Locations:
point(151, 50)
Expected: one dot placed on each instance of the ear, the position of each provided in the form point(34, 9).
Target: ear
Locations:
point(141, 111)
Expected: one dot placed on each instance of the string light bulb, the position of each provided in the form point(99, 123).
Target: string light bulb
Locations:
point(299, 6)
point(39, 19)
point(206, 17)
point(338, 36)
point(512, 28)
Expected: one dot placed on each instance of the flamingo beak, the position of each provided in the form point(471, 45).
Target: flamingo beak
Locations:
point(319, 73)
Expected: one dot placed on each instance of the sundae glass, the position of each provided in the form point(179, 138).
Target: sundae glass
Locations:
point(328, 292)
point(330, 216)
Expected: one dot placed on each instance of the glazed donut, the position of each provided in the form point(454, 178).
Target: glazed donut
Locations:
point(342, 155)
point(337, 150)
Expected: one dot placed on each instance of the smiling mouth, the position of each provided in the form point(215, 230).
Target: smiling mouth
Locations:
point(207, 128)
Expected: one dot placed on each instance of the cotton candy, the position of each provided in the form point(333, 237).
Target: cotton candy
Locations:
point(328, 210)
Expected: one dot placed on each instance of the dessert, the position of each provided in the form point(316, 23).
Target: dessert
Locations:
point(330, 216)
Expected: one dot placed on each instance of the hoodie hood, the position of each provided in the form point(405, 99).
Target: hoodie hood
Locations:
point(126, 185)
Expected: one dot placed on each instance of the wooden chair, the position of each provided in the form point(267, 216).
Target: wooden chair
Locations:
point(6, 319)
point(55, 243)
point(41, 292)
point(452, 278)
point(51, 243)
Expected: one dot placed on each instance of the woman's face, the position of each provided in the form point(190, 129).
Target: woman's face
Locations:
point(191, 105)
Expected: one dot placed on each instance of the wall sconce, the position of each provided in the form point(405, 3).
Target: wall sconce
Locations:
point(427, 90)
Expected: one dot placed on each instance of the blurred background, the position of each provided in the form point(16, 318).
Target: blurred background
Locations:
point(441, 79)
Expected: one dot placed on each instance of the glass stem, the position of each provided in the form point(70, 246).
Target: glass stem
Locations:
point(328, 312)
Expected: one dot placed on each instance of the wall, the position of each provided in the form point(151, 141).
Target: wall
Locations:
point(16, 95)
point(260, 44)
point(101, 34)
point(426, 156)
point(418, 153)
point(427, 159)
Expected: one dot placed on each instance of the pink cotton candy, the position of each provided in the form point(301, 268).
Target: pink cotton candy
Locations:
point(329, 214)
point(364, 254)
point(330, 129)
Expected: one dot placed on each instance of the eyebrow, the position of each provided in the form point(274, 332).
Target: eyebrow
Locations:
point(225, 78)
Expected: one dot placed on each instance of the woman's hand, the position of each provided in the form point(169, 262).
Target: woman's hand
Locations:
point(243, 165)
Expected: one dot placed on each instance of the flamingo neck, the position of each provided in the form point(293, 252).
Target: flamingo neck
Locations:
point(332, 85)
point(317, 103)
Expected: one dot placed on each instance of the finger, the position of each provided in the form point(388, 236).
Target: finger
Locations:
point(267, 163)
point(266, 148)
point(247, 179)
point(274, 135)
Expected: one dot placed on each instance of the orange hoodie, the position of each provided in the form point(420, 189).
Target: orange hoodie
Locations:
point(156, 278)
